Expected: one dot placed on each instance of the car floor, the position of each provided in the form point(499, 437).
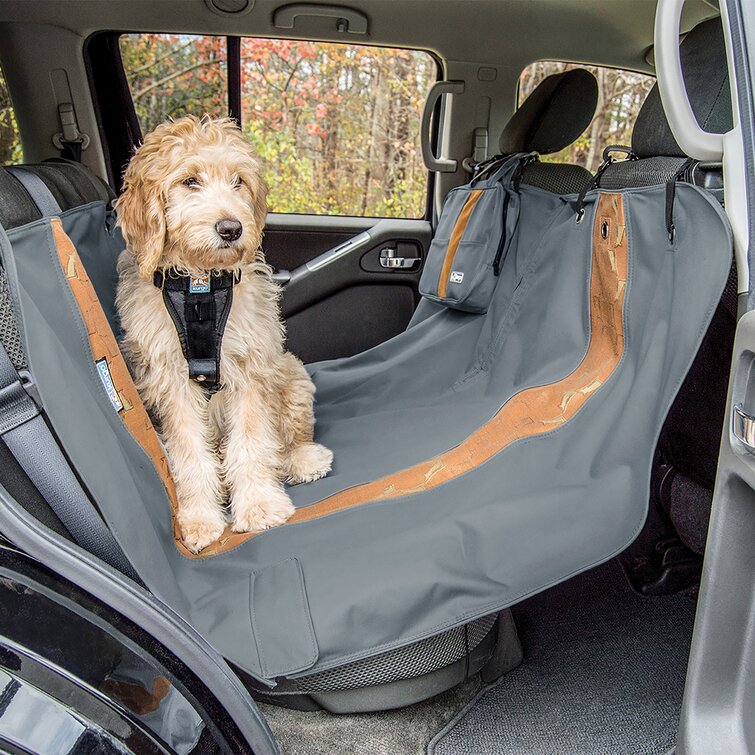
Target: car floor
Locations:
point(603, 672)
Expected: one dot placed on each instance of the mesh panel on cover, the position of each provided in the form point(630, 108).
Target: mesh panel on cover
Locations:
point(560, 178)
point(404, 663)
point(649, 171)
point(9, 335)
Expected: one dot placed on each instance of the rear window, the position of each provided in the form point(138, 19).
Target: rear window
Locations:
point(620, 97)
point(336, 125)
point(10, 141)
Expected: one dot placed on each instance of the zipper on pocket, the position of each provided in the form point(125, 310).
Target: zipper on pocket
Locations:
point(502, 242)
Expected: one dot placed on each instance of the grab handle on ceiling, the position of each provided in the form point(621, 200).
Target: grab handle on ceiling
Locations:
point(348, 20)
point(433, 163)
point(693, 140)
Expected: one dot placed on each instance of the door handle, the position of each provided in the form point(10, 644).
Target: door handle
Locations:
point(389, 258)
point(743, 427)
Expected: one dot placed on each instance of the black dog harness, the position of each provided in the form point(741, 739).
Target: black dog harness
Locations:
point(199, 309)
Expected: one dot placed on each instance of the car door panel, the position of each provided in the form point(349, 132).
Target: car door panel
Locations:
point(339, 296)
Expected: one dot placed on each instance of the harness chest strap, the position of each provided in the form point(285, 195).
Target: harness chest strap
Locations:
point(199, 308)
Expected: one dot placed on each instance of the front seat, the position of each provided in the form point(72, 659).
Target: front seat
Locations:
point(549, 120)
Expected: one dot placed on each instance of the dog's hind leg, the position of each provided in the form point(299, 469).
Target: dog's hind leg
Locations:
point(193, 462)
point(251, 460)
point(303, 460)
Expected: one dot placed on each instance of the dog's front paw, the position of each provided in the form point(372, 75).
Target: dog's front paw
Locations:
point(260, 509)
point(308, 462)
point(197, 532)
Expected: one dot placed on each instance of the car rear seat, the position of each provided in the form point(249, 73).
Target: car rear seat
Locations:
point(551, 118)
point(687, 456)
point(353, 676)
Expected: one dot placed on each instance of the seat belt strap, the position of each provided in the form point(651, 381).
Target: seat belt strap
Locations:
point(37, 190)
point(28, 438)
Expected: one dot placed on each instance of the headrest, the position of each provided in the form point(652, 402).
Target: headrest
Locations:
point(706, 77)
point(554, 115)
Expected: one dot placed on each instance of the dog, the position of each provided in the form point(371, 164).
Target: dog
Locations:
point(194, 203)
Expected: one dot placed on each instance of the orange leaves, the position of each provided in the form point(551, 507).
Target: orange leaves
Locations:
point(337, 124)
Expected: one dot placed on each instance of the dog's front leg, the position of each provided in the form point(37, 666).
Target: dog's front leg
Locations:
point(187, 437)
point(251, 461)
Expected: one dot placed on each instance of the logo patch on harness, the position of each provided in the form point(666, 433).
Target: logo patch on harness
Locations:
point(199, 285)
point(108, 385)
point(456, 277)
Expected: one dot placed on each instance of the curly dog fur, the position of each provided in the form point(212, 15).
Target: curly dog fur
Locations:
point(241, 443)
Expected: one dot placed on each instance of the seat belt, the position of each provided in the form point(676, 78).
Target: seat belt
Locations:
point(28, 438)
point(32, 444)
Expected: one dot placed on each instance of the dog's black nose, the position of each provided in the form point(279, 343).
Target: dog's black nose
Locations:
point(228, 230)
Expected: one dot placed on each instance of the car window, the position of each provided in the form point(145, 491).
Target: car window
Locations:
point(336, 125)
point(620, 97)
point(10, 141)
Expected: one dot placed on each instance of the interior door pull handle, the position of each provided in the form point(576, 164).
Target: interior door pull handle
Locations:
point(743, 427)
point(389, 258)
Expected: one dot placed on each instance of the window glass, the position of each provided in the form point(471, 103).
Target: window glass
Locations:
point(336, 125)
point(10, 141)
point(620, 97)
point(170, 75)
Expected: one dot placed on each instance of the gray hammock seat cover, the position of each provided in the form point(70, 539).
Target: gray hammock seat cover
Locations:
point(314, 595)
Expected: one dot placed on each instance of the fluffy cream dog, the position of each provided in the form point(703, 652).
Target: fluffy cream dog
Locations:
point(189, 183)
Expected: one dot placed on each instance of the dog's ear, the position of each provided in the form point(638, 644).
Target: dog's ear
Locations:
point(141, 205)
point(141, 216)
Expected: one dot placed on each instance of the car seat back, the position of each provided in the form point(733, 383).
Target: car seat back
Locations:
point(687, 457)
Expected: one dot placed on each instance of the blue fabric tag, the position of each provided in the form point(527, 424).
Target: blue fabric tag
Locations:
point(108, 385)
point(199, 285)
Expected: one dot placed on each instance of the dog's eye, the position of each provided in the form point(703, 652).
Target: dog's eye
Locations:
point(237, 183)
point(191, 182)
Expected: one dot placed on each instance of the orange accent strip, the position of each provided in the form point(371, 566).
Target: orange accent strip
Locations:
point(453, 244)
point(104, 346)
point(533, 411)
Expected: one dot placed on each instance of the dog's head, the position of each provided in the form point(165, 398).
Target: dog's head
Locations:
point(193, 198)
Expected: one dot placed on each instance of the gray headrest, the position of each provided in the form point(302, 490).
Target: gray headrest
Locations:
point(706, 77)
point(554, 115)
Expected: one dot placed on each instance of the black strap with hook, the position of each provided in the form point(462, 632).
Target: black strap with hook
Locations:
point(199, 308)
point(608, 159)
point(516, 180)
point(670, 195)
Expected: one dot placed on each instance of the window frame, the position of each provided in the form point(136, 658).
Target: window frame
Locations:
point(119, 136)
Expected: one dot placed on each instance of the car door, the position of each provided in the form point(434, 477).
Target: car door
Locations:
point(720, 687)
point(337, 127)
point(349, 283)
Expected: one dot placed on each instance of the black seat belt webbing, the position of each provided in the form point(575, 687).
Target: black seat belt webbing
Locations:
point(28, 438)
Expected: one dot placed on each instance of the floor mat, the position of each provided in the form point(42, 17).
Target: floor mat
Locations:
point(395, 732)
point(603, 673)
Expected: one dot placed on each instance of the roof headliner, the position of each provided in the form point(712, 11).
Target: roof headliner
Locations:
point(503, 32)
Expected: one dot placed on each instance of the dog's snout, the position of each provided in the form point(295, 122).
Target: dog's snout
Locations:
point(228, 230)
